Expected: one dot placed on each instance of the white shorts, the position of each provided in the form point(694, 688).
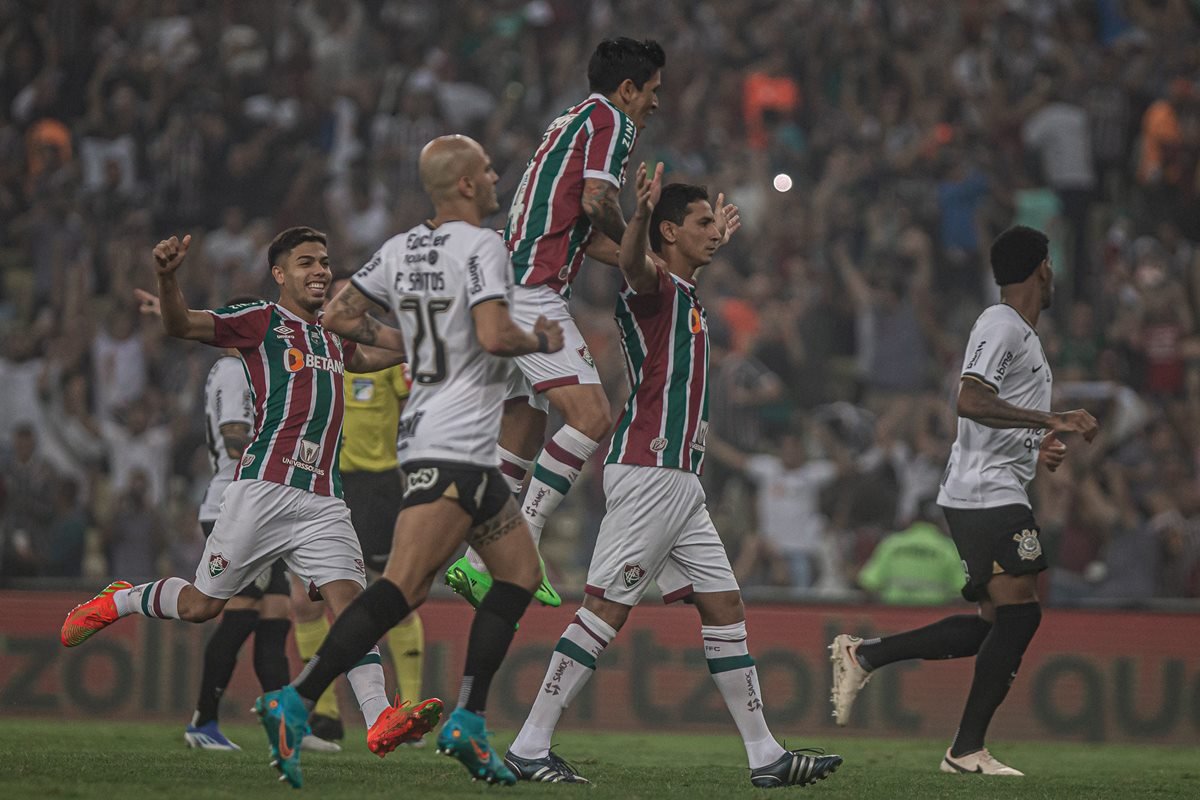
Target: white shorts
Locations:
point(537, 372)
point(261, 521)
point(656, 527)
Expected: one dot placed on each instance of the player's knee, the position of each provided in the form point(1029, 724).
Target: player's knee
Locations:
point(197, 607)
point(593, 421)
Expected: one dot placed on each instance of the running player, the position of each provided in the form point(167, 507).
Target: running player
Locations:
point(373, 486)
point(285, 500)
point(262, 608)
point(568, 194)
point(448, 280)
point(1005, 429)
point(657, 526)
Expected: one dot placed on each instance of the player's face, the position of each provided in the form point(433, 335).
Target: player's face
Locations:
point(644, 102)
point(697, 238)
point(1048, 285)
point(485, 180)
point(305, 276)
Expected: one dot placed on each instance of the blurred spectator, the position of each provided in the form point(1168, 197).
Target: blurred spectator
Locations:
point(118, 362)
point(61, 552)
point(919, 566)
point(138, 447)
point(133, 537)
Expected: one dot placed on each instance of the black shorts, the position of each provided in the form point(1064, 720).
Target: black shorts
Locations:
point(269, 581)
point(374, 502)
point(992, 541)
point(482, 492)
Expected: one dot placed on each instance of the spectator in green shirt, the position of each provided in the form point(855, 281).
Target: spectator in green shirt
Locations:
point(915, 567)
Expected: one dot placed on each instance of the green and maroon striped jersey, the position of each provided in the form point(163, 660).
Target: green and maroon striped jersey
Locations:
point(295, 371)
point(665, 339)
point(547, 231)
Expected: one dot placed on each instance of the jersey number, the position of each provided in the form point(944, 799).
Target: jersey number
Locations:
point(427, 325)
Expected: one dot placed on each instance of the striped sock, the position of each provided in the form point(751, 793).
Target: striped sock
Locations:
point(158, 599)
point(736, 677)
point(554, 473)
point(514, 468)
point(571, 665)
point(366, 678)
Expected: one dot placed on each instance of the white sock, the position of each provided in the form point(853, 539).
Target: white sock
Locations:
point(554, 473)
point(158, 599)
point(571, 665)
point(366, 679)
point(736, 677)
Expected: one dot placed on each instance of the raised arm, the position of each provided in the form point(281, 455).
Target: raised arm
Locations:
point(178, 320)
point(346, 315)
point(978, 402)
point(500, 336)
point(600, 203)
point(641, 275)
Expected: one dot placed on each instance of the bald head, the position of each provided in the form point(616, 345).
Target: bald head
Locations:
point(447, 159)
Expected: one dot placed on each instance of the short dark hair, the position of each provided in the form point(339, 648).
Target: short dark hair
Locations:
point(287, 241)
point(673, 206)
point(1017, 252)
point(614, 60)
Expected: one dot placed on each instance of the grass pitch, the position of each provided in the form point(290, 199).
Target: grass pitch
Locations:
point(83, 759)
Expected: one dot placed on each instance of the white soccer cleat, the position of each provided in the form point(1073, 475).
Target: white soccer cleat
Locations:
point(315, 744)
point(848, 675)
point(981, 762)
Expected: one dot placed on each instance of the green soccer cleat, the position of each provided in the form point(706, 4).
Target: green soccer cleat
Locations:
point(472, 584)
point(285, 719)
point(465, 738)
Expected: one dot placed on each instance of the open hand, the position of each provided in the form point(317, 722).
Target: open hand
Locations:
point(648, 189)
point(729, 219)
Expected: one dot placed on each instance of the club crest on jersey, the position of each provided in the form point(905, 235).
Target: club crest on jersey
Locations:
point(423, 478)
point(217, 564)
point(658, 444)
point(1029, 547)
point(247, 459)
point(585, 354)
point(632, 574)
point(314, 337)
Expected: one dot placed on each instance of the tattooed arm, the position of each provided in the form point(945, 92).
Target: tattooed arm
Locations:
point(346, 315)
point(601, 205)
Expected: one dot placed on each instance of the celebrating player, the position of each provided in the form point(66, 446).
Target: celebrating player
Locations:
point(285, 500)
point(657, 526)
point(448, 280)
point(569, 192)
point(1005, 429)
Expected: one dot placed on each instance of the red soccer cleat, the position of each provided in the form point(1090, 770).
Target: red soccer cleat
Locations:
point(401, 725)
point(94, 615)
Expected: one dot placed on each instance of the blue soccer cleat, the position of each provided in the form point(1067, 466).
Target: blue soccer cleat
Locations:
point(207, 737)
point(464, 737)
point(285, 719)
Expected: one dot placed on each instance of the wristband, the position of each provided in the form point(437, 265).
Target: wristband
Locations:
point(543, 342)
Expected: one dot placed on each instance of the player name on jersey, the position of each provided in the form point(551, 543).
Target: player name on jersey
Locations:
point(664, 337)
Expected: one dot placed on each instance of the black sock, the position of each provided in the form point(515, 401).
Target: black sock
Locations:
point(270, 653)
point(953, 637)
point(491, 634)
point(372, 614)
point(220, 657)
point(995, 668)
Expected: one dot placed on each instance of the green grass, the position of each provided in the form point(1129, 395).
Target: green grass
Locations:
point(83, 759)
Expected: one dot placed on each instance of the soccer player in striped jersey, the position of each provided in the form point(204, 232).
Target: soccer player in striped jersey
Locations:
point(565, 206)
point(656, 526)
point(448, 280)
point(285, 500)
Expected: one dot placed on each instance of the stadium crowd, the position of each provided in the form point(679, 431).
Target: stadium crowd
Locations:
point(874, 148)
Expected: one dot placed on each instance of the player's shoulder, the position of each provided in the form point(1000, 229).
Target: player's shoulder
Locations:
point(1003, 317)
point(247, 308)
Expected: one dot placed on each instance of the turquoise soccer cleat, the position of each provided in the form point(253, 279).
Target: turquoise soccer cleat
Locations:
point(285, 719)
point(464, 737)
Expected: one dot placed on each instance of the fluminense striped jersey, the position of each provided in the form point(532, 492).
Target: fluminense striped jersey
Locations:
point(295, 370)
point(547, 230)
point(665, 339)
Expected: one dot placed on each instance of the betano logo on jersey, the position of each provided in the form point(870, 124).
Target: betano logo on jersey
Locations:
point(295, 360)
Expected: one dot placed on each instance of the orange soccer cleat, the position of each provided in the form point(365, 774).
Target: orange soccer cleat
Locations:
point(401, 724)
point(94, 615)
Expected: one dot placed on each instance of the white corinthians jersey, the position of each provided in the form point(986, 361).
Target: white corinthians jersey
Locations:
point(227, 399)
point(431, 279)
point(991, 466)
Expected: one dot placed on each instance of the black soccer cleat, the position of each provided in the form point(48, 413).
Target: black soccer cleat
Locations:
point(550, 769)
point(796, 768)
